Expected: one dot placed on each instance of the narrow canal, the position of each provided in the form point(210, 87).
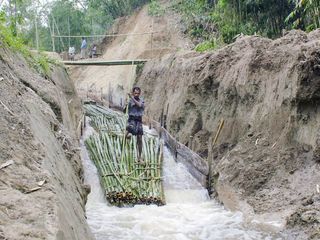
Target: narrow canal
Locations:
point(188, 215)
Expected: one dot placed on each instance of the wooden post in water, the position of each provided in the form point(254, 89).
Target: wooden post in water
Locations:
point(210, 155)
point(81, 128)
point(176, 149)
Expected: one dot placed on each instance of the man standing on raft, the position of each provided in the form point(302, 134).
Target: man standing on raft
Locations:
point(135, 111)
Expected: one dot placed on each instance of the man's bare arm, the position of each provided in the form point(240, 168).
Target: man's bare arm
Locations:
point(138, 103)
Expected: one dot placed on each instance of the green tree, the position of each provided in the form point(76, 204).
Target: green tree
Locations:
point(306, 15)
point(232, 17)
point(14, 11)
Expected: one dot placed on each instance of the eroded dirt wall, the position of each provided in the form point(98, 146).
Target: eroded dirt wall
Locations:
point(266, 161)
point(38, 134)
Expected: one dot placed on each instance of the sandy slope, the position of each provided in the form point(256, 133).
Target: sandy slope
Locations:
point(119, 79)
point(41, 193)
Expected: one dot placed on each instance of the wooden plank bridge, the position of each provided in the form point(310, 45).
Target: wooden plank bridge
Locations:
point(105, 62)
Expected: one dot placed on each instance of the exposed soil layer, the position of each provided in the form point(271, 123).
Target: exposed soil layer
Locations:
point(113, 82)
point(266, 161)
point(42, 195)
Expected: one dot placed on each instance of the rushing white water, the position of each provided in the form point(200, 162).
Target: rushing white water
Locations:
point(188, 214)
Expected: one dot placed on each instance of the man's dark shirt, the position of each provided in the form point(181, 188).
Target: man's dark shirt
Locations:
point(134, 109)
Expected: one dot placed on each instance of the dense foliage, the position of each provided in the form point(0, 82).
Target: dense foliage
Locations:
point(9, 39)
point(220, 21)
point(63, 17)
point(211, 23)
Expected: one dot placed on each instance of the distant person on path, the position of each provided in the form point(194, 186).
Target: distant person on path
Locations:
point(135, 111)
point(94, 51)
point(83, 48)
point(71, 52)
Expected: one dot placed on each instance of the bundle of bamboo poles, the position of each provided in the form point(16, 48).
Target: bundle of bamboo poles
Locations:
point(125, 181)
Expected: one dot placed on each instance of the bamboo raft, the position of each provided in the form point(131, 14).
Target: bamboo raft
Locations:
point(124, 181)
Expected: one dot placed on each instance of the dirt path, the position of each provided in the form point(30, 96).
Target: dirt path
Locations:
point(117, 80)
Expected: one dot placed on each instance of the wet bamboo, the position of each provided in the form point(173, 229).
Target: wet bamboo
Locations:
point(140, 183)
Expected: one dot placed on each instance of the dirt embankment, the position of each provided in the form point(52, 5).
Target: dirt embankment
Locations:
point(115, 81)
point(266, 162)
point(42, 195)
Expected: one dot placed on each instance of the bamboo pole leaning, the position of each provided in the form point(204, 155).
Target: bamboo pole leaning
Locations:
point(124, 181)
